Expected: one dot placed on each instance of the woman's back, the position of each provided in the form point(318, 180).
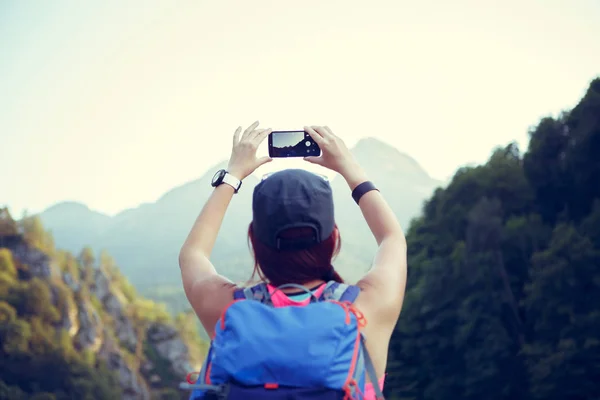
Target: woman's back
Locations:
point(294, 239)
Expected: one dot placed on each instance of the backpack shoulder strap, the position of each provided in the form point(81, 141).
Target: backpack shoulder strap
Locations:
point(340, 292)
point(369, 369)
point(333, 291)
point(257, 292)
point(343, 292)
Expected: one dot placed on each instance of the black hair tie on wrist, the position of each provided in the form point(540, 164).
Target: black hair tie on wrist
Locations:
point(361, 189)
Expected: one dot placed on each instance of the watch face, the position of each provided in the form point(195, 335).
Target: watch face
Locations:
point(218, 177)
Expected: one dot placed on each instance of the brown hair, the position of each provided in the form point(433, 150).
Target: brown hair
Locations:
point(296, 266)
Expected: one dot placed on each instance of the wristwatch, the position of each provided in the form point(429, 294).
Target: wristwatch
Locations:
point(222, 176)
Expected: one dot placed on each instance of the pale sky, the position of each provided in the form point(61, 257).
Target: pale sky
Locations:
point(113, 103)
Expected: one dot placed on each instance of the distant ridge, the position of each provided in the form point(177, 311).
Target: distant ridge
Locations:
point(145, 240)
point(71, 206)
point(368, 147)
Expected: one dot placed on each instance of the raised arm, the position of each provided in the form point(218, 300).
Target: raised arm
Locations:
point(387, 276)
point(206, 290)
point(386, 281)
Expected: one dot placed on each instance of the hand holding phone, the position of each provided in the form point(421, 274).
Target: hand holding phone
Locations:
point(284, 144)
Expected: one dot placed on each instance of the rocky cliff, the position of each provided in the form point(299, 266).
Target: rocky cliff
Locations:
point(102, 317)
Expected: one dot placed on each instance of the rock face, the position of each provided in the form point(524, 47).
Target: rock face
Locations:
point(37, 261)
point(132, 384)
point(169, 346)
point(105, 328)
point(68, 314)
point(89, 335)
point(115, 308)
point(70, 282)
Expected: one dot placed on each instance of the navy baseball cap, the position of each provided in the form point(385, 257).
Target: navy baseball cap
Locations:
point(292, 198)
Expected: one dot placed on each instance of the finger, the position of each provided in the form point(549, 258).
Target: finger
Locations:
point(236, 136)
point(263, 160)
point(313, 134)
point(314, 160)
point(261, 135)
point(310, 129)
point(249, 130)
point(328, 129)
point(255, 133)
point(323, 132)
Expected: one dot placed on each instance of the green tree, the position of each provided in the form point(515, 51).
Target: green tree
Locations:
point(111, 270)
point(107, 263)
point(167, 394)
point(7, 265)
point(8, 273)
point(590, 226)
point(68, 263)
point(65, 345)
point(544, 166)
point(34, 233)
point(581, 155)
point(11, 392)
point(43, 340)
point(564, 296)
point(502, 296)
point(8, 225)
point(87, 258)
point(43, 396)
point(490, 330)
point(188, 327)
point(14, 336)
point(34, 299)
point(7, 313)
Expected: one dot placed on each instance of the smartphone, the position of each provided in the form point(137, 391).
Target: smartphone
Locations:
point(292, 144)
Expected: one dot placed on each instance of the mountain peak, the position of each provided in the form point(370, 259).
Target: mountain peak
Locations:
point(372, 141)
point(192, 185)
point(374, 152)
point(376, 145)
point(72, 211)
point(67, 206)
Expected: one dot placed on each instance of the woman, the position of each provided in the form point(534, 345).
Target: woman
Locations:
point(381, 289)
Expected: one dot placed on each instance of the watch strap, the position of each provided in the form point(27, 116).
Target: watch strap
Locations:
point(232, 181)
point(362, 189)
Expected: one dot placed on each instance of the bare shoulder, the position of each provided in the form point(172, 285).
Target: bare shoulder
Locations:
point(209, 297)
point(380, 303)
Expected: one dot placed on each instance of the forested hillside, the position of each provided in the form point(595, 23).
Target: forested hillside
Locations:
point(503, 297)
point(74, 328)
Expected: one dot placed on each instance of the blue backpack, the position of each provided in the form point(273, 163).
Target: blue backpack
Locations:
point(260, 352)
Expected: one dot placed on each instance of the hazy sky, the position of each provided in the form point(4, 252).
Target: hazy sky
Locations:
point(113, 103)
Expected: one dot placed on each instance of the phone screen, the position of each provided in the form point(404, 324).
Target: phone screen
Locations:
point(292, 144)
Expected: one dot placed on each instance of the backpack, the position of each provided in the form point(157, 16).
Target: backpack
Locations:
point(262, 352)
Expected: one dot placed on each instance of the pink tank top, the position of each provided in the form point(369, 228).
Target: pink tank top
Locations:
point(279, 299)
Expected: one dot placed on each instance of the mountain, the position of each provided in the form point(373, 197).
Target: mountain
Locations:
point(68, 230)
point(146, 240)
point(75, 328)
point(402, 181)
